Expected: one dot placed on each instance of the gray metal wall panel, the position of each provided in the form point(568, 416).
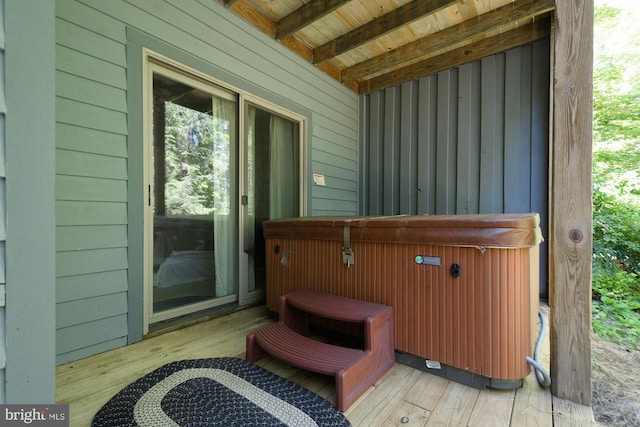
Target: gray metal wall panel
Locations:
point(481, 143)
point(446, 142)
point(468, 190)
point(391, 151)
point(374, 150)
point(363, 165)
point(409, 147)
point(427, 119)
point(492, 134)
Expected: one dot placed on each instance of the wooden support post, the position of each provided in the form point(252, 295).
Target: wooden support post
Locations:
point(570, 240)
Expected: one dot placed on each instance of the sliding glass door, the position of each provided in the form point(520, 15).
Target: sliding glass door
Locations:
point(272, 184)
point(192, 196)
point(217, 165)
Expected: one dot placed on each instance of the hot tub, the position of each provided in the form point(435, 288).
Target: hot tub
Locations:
point(464, 288)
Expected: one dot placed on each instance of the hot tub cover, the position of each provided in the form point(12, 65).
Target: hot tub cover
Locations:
point(520, 230)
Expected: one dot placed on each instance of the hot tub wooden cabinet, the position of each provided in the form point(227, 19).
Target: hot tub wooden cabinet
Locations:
point(464, 288)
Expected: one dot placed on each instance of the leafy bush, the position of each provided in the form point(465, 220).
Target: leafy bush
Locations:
point(616, 310)
point(616, 176)
point(616, 232)
point(616, 269)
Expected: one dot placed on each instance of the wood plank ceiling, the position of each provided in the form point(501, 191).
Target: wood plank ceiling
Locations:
point(369, 45)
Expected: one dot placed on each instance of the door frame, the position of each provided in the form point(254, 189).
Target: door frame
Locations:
point(242, 296)
point(179, 73)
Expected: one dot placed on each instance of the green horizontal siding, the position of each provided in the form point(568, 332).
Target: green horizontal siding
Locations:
point(90, 261)
point(329, 206)
point(326, 157)
point(87, 17)
point(337, 172)
point(93, 166)
point(221, 38)
point(84, 339)
point(90, 116)
point(95, 141)
point(90, 165)
point(89, 42)
point(79, 287)
point(89, 67)
point(76, 238)
point(3, 210)
point(90, 92)
point(3, 103)
point(90, 213)
point(82, 352)
point(3, 109)
point(3, 269)
point(90, 189)
point(82, 311)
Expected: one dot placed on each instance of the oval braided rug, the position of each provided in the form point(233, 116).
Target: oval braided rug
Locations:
point(216, 392)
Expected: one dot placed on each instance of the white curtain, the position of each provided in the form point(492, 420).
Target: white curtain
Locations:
point(283, 168)
point(249, 230)
point(224, 214)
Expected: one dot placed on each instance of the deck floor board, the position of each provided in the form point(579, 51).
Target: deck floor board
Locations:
point(422, 399)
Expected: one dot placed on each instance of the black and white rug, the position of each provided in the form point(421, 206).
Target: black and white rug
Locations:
point(216, 392)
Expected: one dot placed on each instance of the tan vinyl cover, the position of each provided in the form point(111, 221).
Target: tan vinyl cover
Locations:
point(483, 321)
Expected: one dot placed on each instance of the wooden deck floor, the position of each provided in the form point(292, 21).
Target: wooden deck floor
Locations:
point(404, 396)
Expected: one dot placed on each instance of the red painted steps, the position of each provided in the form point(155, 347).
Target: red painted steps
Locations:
point(355, 370)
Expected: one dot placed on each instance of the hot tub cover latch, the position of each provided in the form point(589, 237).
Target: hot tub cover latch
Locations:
point(348, 257)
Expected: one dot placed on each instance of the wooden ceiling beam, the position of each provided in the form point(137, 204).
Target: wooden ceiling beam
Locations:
point(473, 52)
point(228, 3)
point(380, 26)
point(305, 15)
point(253, 16)
point(263, 23)
point(490, 21)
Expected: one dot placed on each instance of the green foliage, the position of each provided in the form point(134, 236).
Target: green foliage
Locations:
point(616, 179)
point(616, 169)
point(616, 269)
point(616, 83)
point(617, 117)
point(616, 231)
point(616, 306)
point(196, 162)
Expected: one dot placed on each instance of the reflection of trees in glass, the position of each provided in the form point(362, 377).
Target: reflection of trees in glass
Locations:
point(197, 162)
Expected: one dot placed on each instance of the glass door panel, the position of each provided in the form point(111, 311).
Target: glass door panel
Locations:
point(193, 198)
point(272, 153)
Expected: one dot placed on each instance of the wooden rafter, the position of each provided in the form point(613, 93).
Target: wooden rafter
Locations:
point(306, 15)
point(346, 56)
point(378, 27)
point(472, 52)
point(518, 11)
point(263, 23)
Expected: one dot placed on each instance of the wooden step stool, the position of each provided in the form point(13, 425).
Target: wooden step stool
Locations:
point(355, 370)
